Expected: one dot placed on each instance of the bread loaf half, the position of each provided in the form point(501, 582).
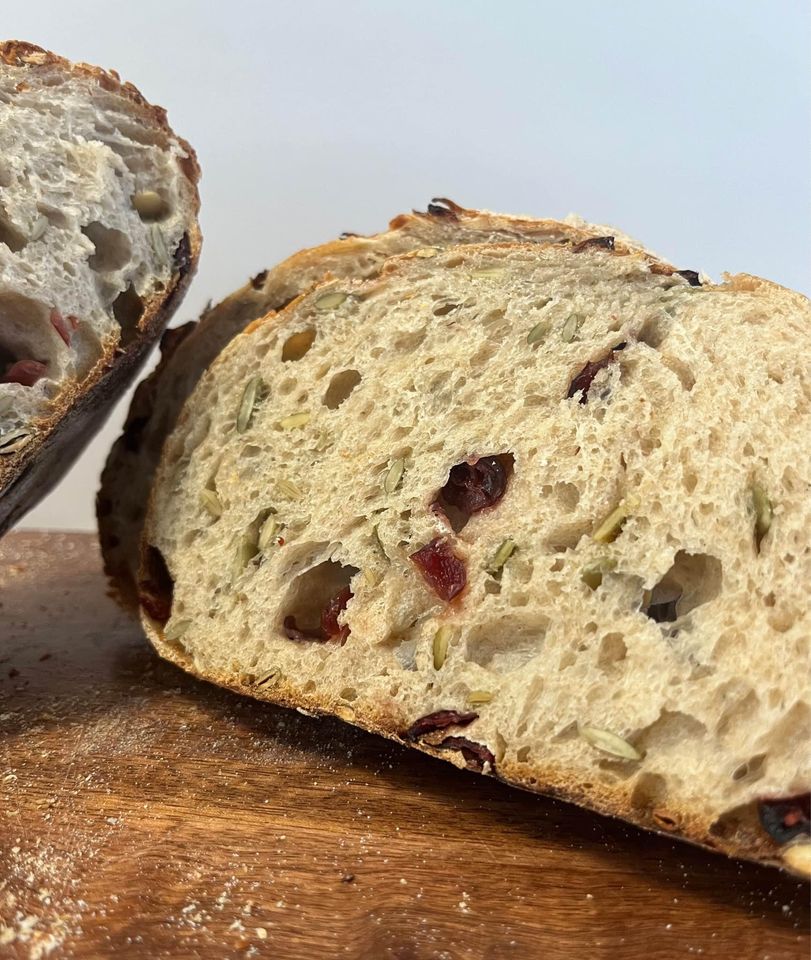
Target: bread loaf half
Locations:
point(188, 350)
point(98, 241)
point(539, 510)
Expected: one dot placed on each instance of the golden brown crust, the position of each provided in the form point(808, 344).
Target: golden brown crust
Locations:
point(746, 842)
point(79, 409)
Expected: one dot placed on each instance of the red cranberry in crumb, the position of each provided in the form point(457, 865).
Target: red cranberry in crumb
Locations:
point(787, 817)
point(473, 486)
point(330, 627)
point(24, 372)
point(476, 754)
point(440, 720)
point(581, 383)
point(442, 570)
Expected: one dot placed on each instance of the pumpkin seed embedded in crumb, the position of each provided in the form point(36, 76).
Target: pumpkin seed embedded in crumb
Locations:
point(798, 857)
point(329, 301)
point(149, 204)
point(487, 272)
point(267, 532)
point(289, 489)
point(212, 503)
point(500, 557)
point(158, 242)
point(477, 697)
point(764, 512)
point(611, 527)
point(14, 441)
point(175, 629)
point(393, 476)
point(570, 327)
point(295, 420)
point(267, 678)
point(608, 742)
point(538, 332)
point(441, 640)
point(250, 396)
point(297, 344)
point(247, 549)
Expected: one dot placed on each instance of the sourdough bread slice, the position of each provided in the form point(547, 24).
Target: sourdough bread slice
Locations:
point(98, 242)
point(188, 350)
point(542, 511)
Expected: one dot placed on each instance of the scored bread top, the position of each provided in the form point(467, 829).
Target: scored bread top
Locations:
point(187, 351)
point(98, 240)
point(543, 496)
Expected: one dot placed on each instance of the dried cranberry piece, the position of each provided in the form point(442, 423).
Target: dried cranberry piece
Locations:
point(476, 754)
point(442, 570)
point(691, 276)
point(786, 818)
point(60, 325)
point(25, 372)
point(583, 380)
point(443, 208)
point(604, 243)
point(473, 486)
point(330, 627)
point(440, 720)
point(329, 630)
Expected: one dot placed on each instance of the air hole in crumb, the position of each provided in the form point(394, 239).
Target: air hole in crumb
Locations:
point(444, 308)
point(506, 643)
point(671, 729)
point(612, 650)
point(683, 373)
point(311, 591)
point(689, 481)
point(653, 332)
point(298, 344)
point(566, 495)
point(522, 754)
point(340, 387)
point(348, 693)
point(483, 355)
point(693, 580)
point(287, 386)
point(113, 249)
point(649, 791)
point(408, 340)
point(128, 308)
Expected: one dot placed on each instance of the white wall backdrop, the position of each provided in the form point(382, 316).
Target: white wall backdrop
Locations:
point(686, 124)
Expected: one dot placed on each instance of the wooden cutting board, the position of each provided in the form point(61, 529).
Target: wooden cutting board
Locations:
point(145, 814)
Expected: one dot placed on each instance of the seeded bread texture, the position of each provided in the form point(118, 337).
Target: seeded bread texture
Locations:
point(187, 351)
point(634, 630)
point(98, 241)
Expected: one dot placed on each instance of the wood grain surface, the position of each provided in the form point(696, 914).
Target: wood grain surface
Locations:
point(144, 814)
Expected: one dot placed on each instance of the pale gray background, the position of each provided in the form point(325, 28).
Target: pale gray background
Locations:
point(686, 124)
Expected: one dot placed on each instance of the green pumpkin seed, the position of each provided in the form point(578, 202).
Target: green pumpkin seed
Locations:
point(250, 397)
